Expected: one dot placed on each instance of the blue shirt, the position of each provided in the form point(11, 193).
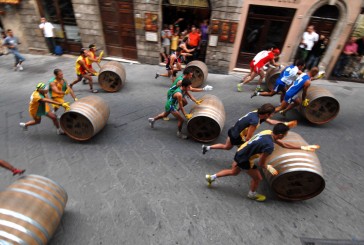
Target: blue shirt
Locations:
point(297, 85)
point(288, 75)
point(11, 41)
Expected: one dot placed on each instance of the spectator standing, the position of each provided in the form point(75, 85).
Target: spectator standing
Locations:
point(317, 52)
point(350, 50)
point(194, 39)
point(12, 42)
point(47, 29)
point(166, 42)
point(3, 49)
point(308, 40)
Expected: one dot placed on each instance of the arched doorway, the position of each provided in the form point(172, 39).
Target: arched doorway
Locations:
point(184, 14)
point(324, 19)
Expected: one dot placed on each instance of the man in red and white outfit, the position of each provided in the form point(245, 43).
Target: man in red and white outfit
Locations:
point(256, 67)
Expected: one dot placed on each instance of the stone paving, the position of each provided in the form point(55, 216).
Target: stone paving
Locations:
point(131, 184)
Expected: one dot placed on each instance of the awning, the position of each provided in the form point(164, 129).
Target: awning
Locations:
point(9, 1)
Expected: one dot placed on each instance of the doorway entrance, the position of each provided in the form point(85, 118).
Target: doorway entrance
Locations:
point(324, 19)
point(61, 15)
point(119, 30)
point(184, 15)
point(266, 27)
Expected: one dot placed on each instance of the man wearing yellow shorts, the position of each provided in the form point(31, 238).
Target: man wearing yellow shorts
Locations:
point(38, 107)
point(58, 88)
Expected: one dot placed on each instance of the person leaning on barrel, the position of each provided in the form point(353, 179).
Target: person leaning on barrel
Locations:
point(11, 168)
point(259, 146)
point(187, 73)
point(38, 107)
point(175, 101)
point(245, 127)
point(291, 98)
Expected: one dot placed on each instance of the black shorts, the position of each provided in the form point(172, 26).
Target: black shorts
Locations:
point(244, 163)
point(234, 140)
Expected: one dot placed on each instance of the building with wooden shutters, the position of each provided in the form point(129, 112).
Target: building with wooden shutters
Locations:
point(238, 29)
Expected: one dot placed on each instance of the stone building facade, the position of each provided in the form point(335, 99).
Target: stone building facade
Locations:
point(222, 56)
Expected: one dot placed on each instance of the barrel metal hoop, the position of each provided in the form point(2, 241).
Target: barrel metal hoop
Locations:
point(292, 154)
point(12, 237)
point(26, 219)
point(60, 192)
point(46, 191)
point(44, 178)
point(21, 229)
point(38, 197)
point(3, 242)
point(298, 164)
point(306, 160)
point(295, 170)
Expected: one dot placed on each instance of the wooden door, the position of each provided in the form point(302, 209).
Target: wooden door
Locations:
point(266, 27)
point(323, 26)
point(119, 30)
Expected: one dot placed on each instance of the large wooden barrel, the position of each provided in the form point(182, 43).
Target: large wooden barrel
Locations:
point(200, 72)
point(299, 172)
point(271, 76)
point(323, 107)
point(86, 118)
point(112, 76)
point(207, 120)
point(30, 210)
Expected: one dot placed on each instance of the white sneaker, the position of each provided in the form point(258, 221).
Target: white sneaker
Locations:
point(20, 67)
point(151, 122)
point(60, 131)
point(25, 128)
point(182, 136)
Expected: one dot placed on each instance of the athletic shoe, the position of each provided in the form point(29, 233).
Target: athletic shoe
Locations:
point(60, 131)
point(259, 89)
point(20, 67)
point(156, 75)
point(204, 149)
point(254, 94)
point(151, 122)
point(18, 171)
point(257, 197)
point(25, 128)
point(240, 87)
point(209, 179)
point(166, 118)
point(182, 136)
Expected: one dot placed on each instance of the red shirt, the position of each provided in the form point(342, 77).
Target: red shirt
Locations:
point(194, 39)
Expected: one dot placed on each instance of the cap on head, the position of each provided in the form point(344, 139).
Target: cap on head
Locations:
point(41, 86)
point(276, 51)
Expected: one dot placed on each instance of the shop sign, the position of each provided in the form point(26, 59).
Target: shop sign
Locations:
point(10, 1)
point(226, 30)
point(190, 3)
point(151, 22)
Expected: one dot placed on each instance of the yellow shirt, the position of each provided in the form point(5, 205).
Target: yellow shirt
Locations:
point(61, 87)
point(174, 42)
point(88, 61)
point(37, 108)
point(79, 69)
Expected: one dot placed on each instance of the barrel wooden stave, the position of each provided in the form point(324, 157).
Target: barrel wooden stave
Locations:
point(271, 76)
point(207, 120)
point(323, 107)
point(299, 172)
point(30, 210)
point(86, 118)
point(200, 72)
point(112, 76)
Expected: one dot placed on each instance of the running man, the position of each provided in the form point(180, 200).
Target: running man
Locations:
point(91, 58)
point(83, 71)
point(174, 104)
point(256, 67)
point(291, 98)
point(245, 127)
point(259, 146)
point(11, 168)
point(285, 79)
point(58, 88)
point(12, 42)
point(38, 107)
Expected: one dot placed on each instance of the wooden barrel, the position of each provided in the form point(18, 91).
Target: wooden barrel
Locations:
point(299, 172)
point(271, 76)
point(86, 118)
point(112, 76)
point(30, 210)
point(207, 120)
point(323, 107)
point(200, 72)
